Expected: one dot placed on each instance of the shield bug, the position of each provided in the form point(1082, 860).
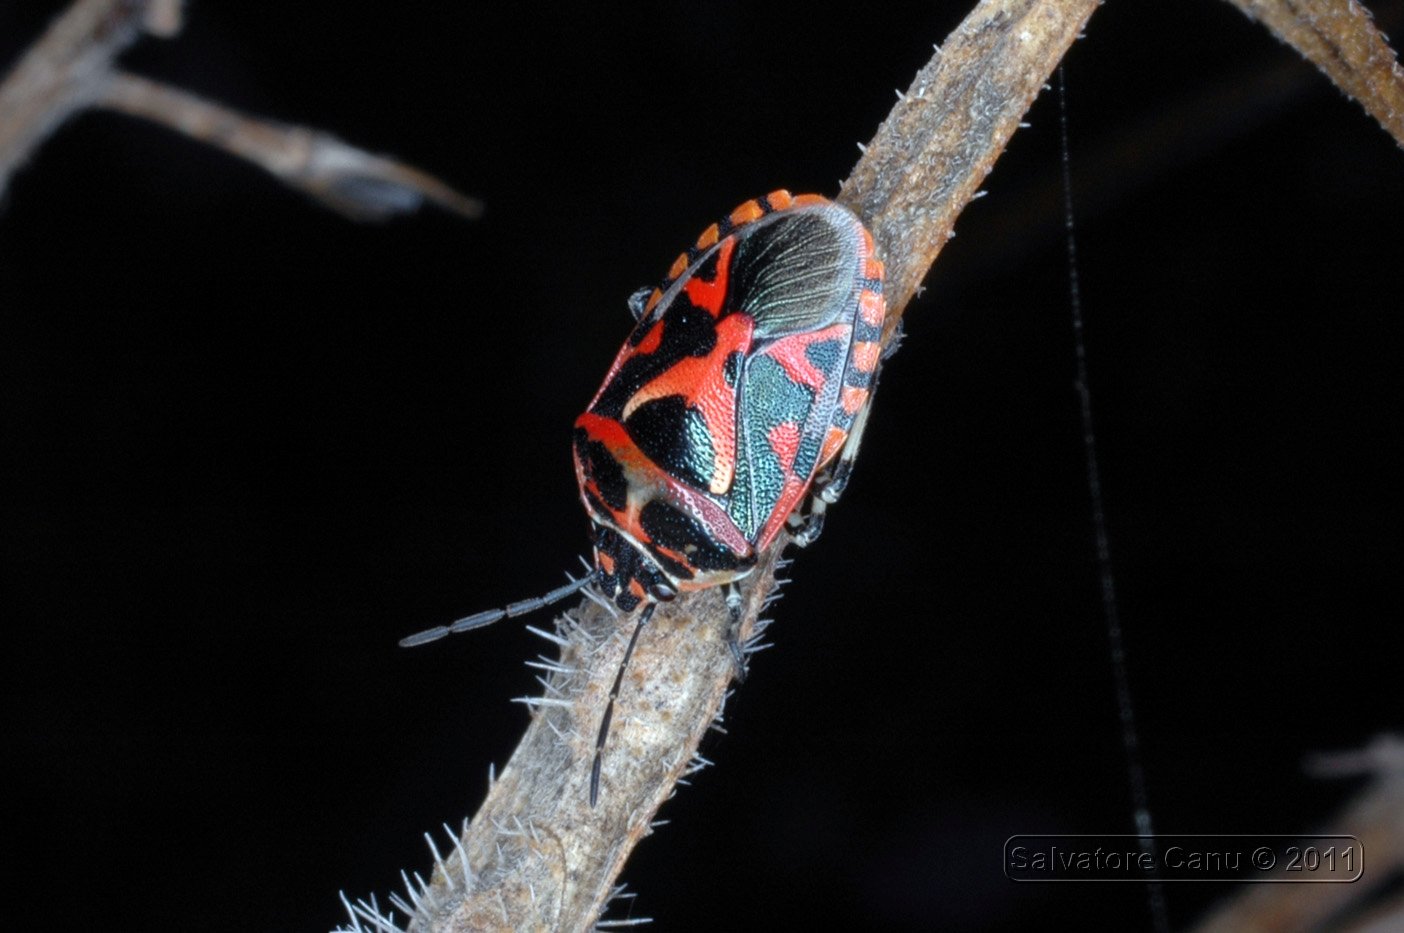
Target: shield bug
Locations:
point(733, 411)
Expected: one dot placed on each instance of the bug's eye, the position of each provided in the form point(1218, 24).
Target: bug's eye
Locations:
point(662, 592)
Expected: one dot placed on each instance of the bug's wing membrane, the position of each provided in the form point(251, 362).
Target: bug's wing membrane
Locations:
point(795, 273)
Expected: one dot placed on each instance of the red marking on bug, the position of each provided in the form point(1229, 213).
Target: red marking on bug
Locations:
point(652, 340)
point(678, 267)
point(711, 296)
point(833, 443)
point(780, 200)
point(853, 399)
point(790, 354)
point(746, 213)
point(701, 380)
point(784, 439)
point(866, 356)
point(654, 297)
point(871, 307)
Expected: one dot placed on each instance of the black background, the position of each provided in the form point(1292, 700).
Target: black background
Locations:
point(248, 445)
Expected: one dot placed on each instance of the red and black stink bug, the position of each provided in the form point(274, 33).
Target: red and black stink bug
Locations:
point(741, 392)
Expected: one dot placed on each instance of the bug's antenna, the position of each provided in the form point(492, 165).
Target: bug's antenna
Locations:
point(511, 610)
point(613, 695)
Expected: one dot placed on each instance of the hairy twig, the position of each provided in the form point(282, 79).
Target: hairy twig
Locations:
point(71, 68)
point(1338, 37)
point(539, 857)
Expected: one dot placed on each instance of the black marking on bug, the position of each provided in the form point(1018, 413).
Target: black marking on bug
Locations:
point(599, 512)
point(859, 378)
point(731, 368)
point(671, 528)
point(807, 457)
point(603, 470)
point(674, 436)
point(678, 570)
point(707, 271)
point(872, 285)
point(687, 331)
point(825, 355)
point(863, 332)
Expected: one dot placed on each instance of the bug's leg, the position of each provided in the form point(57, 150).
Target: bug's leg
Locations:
point(806, 527)
point(733, 632)
point(638, 300)
point(894, 343)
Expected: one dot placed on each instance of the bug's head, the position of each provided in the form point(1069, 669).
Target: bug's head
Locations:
point(626, 575)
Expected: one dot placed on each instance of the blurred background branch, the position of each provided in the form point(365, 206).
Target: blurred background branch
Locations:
point(72, 67)
point(1375, 816)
